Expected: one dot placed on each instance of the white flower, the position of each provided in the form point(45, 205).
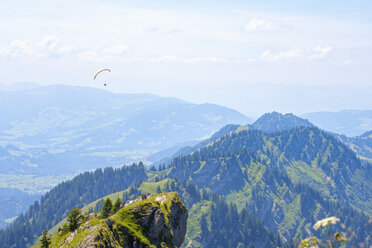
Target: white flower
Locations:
point(325, 222)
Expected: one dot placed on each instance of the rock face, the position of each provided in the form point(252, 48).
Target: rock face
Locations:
point(159, 221)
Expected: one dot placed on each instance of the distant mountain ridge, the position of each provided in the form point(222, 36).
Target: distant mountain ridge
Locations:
point(347, 122)
point(51, 123)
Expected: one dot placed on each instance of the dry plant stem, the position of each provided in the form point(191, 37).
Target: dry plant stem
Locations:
point(330, 238)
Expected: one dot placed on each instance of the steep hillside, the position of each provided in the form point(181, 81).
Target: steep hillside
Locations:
point(55, 205)
point(226, 226)
point(264, 172)
point(268, 123)
point(275, 122)
point(159, 221)
point(211, 223)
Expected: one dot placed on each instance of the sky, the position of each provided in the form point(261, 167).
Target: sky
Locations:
point(254, 56)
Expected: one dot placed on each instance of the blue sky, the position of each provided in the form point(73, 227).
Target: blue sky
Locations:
point(254, 56)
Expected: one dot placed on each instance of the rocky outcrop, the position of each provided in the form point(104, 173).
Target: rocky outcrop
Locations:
point(159, 221)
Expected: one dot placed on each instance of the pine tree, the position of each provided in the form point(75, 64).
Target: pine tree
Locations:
point(45, 239)
point(74, 219)
point(106, 209)
point(116, 206)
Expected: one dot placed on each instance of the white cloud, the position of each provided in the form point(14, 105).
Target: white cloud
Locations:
point(297, 54)
point(18, 48)
point(111, 53)
point(320, 52)
point(48, 42)
point(116, 50)
point(48, 46)
point(256, 24)
point(175, 59)
point(286, 55)
point(96, 57)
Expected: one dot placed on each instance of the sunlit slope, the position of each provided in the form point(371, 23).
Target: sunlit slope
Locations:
point(288, 178)
point(159, 220)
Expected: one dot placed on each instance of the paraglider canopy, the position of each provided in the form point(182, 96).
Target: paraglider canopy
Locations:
point(98, 72)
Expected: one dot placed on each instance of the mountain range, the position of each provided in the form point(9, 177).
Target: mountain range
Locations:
point(93, 128)
point(51, 133)
point(275, 177)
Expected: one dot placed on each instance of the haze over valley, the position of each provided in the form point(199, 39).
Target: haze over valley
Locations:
point(198, 124)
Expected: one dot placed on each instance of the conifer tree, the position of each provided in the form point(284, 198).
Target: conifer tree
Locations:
point(45, 239)
point(116, 206)
point(74, 219)
point(106, 209)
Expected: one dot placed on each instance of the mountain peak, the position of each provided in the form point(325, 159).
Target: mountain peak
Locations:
point(275, 121)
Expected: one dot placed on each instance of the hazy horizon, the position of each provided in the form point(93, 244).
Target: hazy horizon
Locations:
point(250, 56)
point(326, 101)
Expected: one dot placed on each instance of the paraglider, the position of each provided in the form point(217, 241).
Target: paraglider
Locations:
point(98, 72)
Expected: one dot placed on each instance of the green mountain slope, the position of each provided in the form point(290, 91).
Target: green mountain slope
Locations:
point(250, 167)
point(307, 155)
point(226, 226)
point(159, 221)
point(56, 204)
point(244, 187)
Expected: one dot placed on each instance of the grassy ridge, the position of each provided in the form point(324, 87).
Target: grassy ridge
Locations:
point(127, 222)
